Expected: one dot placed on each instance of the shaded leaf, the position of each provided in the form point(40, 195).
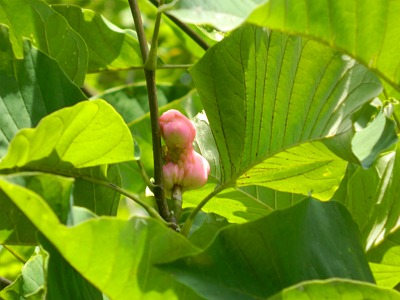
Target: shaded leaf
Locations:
point(25, 96)
point(262, 263)
point(339, 289)
point(292, 91)
point(48, 32)
point(109, 47)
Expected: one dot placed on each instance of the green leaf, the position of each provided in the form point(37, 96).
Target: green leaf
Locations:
point(239, 205)
point(372, 197)
point(63, 281)
point(90, 190)
point(275, 252)
point(292, 92)
point(368, 143)
point(88, 134)
point(15, 228)
point(345, 25)
point(25, 93)
point(31, 281)
point(116, 256)
point(306, 169)
point(223, 14)
point(384, 261)
point(373, 132)
point(110, 48)
point(338, 289)
point(48, 31)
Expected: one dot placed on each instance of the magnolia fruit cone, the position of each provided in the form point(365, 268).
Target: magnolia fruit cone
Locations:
point(184, 166)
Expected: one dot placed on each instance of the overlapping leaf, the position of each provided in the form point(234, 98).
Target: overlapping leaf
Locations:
point(15, 228)
point(265, 92)
point(48, 31)
point(31, 88)
point(345, 25)
point(366, 30)
point(116, 256)
point(254, 261)
point(110, 48)
point(88, 134)
point(372, 197)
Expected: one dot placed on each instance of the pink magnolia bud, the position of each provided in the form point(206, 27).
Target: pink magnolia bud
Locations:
point(177, 130)
point(173, 174)
point(196, 169)
point(190, 174)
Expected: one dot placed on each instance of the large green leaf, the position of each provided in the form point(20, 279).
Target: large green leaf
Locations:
point(372, 197)
point(345, 25)
point(366, 30)
point(48, 31)
point(116, 256)
point(338, 289)
point(88, 134)
point(257, 259)
point(385, 261)
point(31, 88)
point(110, 48)
point(268, 95)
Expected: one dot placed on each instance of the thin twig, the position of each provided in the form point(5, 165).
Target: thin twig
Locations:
point(159, 192)
point(144, 49)
point(185, 28)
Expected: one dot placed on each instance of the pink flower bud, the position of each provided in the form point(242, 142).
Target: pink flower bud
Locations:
point(173, 174)
point(196, 169)
point(177, 130)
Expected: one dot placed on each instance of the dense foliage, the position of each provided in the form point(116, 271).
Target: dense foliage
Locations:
point(295, 109)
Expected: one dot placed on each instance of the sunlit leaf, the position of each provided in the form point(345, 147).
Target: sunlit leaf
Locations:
point(268, 95)
point(345, 25)
point(88, 134)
